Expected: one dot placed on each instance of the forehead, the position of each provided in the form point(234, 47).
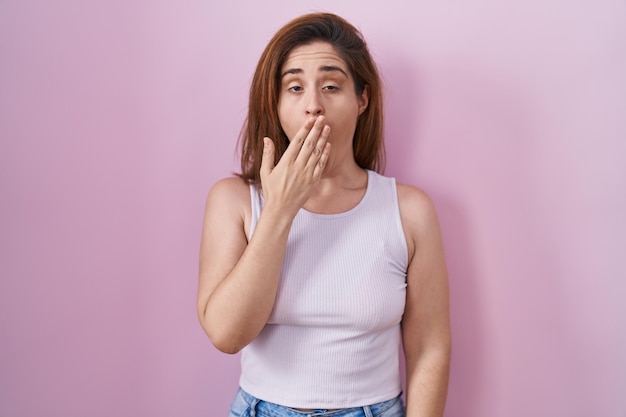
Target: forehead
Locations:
point(312, 55)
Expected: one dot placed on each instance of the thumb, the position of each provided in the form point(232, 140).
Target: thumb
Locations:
point(267, 162)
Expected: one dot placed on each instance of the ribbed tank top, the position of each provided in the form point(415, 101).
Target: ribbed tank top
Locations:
point(332, 339)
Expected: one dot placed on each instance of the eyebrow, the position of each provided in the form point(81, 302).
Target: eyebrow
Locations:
point(324, 68)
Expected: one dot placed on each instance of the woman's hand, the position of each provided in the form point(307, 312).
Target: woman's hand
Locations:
point(290, 183)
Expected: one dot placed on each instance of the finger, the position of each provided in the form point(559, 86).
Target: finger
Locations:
point(267, 161)
point(318, 149)
point(321, 163)
point(296, 142)
point(311, 140)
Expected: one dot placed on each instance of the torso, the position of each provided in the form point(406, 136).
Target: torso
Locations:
point(345, 201)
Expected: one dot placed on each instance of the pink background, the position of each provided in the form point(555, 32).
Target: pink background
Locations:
point(116, 117)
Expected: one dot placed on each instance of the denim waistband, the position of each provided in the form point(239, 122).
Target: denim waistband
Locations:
point(255, 407)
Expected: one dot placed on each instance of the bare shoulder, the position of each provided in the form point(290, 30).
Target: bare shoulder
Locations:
point(229, 198)
point(415, 205)
point(419, 217)
point(229, 188)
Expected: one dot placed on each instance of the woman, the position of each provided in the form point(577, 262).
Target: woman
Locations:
point(312, 263)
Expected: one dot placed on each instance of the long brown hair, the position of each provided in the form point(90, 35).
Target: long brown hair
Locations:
point(262, 119)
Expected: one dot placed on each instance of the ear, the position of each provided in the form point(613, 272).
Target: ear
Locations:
point(364, 99)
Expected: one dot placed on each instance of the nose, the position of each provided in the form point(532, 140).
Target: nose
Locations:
point(314, 105)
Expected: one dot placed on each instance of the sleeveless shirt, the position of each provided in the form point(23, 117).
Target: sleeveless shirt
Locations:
point(333, 337)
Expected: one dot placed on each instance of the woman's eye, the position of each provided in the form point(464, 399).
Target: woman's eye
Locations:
point(331, 88)
point(295, 88)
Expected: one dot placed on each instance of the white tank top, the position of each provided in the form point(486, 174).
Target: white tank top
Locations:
point(333, 337)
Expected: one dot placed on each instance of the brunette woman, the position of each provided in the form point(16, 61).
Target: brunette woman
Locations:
point(312, 263)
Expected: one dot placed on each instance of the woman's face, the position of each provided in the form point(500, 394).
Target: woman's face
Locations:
point(316, 81)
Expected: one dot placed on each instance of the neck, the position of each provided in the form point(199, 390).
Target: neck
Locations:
point(338, 191)
point(347, 176)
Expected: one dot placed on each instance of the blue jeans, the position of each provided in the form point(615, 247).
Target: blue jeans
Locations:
point(245, 405)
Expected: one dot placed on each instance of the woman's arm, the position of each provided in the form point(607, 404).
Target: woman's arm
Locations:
point(426, 320)
point(239, 279)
